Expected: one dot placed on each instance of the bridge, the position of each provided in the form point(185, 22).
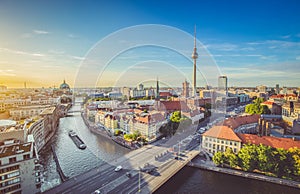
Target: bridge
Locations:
point(164, 160)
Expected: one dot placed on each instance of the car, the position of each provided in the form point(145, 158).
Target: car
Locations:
point(97, 192)
point(128, 174)
point(118, 168)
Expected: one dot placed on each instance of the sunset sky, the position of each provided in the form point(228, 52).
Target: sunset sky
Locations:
point(252, 42)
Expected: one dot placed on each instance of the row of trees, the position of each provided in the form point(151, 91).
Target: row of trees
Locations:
point(277, 161)
point(257, 108)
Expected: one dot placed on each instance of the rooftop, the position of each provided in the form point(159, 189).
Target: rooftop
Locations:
point(235, 122)
point(10, 150)
point(48, 111)
point(275, 142)
point(222, 132)
point(7, 123)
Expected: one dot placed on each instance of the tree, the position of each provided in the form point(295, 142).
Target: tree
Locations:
point(257, 108)
point(248, 157)
point(295, 154)
point(219, 159)
point(135, 135)
point(128, 137)
point(231, 158)
point(258, 101)
point(176, 117)
point(117, 132)
point(282, 160)
point(264, 156)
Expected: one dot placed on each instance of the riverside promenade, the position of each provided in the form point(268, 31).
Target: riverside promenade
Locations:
point(209, 165)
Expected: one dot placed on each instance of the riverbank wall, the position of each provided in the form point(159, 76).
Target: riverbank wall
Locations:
point(202, 165)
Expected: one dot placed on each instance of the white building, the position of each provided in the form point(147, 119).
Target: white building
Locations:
point(36, 129)
point(26, 112)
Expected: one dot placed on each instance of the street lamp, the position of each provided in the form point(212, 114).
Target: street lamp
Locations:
point(179, 149)
point(139, 180)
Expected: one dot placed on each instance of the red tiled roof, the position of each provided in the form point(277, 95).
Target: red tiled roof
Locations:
point(172, 105)
point(274, 142)
point(164, 94)
point(153, 118)
point(282, 95)
point(222, 132)
point(267, 103)
point(235, 122)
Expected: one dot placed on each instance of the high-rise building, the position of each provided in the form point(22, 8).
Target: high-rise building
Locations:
point(277, 89)
point(262, 88)
point(222, 84)
point(185, 89)
point(194, 57)
point(157, 89)
point(284, 90)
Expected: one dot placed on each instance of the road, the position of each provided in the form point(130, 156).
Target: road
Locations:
point(161, 154)
point(105, 179)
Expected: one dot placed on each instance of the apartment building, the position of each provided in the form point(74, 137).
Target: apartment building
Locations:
point(19, 168)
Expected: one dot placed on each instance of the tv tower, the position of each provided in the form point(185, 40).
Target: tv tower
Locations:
point(194, 57)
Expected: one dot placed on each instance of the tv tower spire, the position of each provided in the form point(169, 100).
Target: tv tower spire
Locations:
point(194, 57)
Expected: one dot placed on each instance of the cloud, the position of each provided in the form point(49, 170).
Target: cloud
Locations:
point(18, 52)
point(276, 43)
point(7, 72)
point(286, 36)
point(238, 55)
point(222, 47)
point(40, 32)
point(76, 57)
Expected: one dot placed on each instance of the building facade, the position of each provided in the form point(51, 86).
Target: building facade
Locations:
point(19, 168)
point(219, 138)
point(185, 89)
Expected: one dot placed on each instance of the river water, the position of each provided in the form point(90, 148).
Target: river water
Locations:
point(74, 161)
point(99, 149)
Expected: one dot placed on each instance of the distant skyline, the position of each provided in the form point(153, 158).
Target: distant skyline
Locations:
point(251, 42)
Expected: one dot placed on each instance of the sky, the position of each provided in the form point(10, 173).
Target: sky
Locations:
point(124, 43)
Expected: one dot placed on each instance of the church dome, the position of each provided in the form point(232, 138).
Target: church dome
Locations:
point(64, 86)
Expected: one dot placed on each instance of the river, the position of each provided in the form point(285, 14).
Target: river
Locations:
point(99, 149)
point(74, 161)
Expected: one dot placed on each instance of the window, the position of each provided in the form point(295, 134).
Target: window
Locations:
point(13, 159)
point(13, 174)
point(26, 156)
point(16, 180)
